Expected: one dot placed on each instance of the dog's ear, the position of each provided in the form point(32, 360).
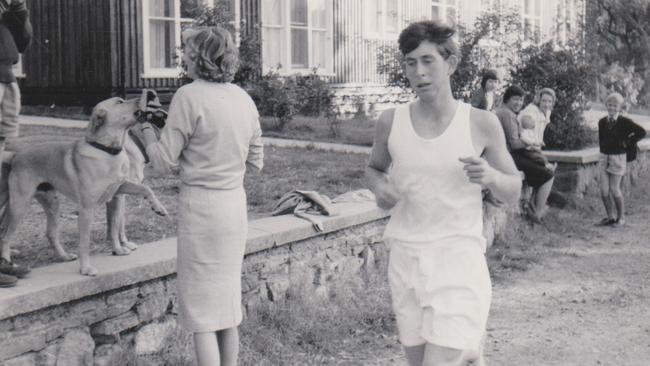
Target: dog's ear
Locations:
point(97, 120)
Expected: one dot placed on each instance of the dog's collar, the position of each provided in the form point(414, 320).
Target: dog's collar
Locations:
point(140, 146)
point(108, 149)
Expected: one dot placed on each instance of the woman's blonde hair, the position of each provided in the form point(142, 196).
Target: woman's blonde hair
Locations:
point(213, 51)
point(548, 91)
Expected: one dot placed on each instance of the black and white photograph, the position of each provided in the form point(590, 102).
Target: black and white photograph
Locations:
point(324, 182)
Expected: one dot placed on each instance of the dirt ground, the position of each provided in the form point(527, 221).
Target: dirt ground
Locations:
point(586, 303)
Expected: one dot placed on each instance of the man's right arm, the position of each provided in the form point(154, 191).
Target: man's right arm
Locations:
point(380, 160)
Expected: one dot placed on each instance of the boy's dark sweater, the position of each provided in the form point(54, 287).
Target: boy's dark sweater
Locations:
point(615, 138)
point(15, 35)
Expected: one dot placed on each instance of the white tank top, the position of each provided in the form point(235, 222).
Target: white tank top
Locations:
point(438, 204)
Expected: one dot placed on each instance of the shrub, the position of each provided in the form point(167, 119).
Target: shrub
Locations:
point(564, 71)
point(623, 80)
point(283, 97)
point(276, 96)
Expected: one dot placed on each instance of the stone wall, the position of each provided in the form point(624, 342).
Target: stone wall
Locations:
point(57, 317)
point(577, 171)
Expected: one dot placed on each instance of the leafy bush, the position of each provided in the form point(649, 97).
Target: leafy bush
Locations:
point(276, 96)
point(565, 72)
point(623, 80)
point(283, 97)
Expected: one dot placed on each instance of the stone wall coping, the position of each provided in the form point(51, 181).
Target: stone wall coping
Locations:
point(59, 283)
point(585, 156)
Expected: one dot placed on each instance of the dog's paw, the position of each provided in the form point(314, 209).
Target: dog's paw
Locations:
point(121, 251)
point(130, 245)
point(88, 271)
point(67, 257)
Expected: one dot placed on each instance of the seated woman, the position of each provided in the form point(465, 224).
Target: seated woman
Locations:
point(533, 121)
point(537, 174)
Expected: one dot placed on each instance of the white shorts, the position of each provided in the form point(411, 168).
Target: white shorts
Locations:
point(441, 294)
point(612, 164)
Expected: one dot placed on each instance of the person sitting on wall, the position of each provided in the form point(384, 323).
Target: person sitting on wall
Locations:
point(615, 135)
point(485, 96)
point(533, 121)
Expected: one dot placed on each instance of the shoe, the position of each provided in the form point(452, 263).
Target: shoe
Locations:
point(619, 223)
point(606, 222)
point(13, 269)
point(7, 280)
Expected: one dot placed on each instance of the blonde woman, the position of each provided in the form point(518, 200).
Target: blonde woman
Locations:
point(213, 134)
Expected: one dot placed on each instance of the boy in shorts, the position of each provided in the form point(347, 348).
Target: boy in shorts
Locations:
point(429, 162)
point(615, 135)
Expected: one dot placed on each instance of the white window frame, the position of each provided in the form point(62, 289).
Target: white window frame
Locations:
point(534, 19)
point(383, 34)
point(18, 68)
point(443, 8)
point(163, 72)
point(567, 20)
point(285, 61)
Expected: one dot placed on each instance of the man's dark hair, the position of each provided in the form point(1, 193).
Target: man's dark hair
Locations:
point(488, 75)
point(513, 91)
point(428, 30)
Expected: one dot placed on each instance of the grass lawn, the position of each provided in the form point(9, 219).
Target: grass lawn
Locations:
point(355, 131)
point(285, 169)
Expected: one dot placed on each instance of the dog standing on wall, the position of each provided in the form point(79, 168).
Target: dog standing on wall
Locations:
point(89, 171)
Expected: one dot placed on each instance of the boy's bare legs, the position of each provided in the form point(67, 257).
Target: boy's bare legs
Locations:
point(605, 194)
point(219, 348)
point(415, 354)
point(617, 195)
point(228, 346)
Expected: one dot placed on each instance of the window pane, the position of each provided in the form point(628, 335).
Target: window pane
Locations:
point(392, 21)
point(272, 14)
point(451, 15)
point(435, 13)
point(528, 7)
point(299, 12)
point(319, 49)
point(272, 47)
point(162, 44)
point(318, 14)
point(161, 8)
point(373, 13)
point(538, 8)
point(451, 2)
point(435, 1)
point(299, 48)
